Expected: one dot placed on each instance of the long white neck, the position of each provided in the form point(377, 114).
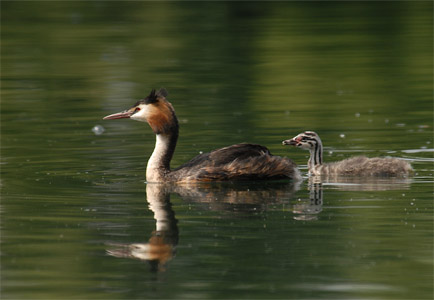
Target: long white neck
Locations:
point(159, 162)
point(315, 158)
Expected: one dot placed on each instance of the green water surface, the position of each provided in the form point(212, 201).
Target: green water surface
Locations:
point(78, 220)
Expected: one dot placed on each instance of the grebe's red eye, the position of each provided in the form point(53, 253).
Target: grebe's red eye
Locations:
point(137, 109)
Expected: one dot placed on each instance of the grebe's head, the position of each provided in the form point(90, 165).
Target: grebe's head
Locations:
point(154, 109)
point(307, 140)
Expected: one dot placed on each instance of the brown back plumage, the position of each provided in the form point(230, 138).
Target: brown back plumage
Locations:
point(237, 162)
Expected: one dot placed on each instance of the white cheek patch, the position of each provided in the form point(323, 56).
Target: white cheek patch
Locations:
point(142, 114)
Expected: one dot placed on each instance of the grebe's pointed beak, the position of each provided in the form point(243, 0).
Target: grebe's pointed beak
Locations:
point(120, 115)
point(291, 142)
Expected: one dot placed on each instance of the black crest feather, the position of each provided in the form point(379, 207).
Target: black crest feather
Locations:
point(152, 98)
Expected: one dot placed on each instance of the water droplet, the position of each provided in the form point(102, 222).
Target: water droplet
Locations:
point(357, 115)
point(98, 129)
point(342, 136)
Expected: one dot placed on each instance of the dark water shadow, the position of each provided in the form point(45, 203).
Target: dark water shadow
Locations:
point(237, 196)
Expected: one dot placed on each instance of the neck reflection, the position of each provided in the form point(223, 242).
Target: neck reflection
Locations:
point(161, 246)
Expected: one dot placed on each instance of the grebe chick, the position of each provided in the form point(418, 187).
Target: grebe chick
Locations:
point(236, 162)
point(357, 166)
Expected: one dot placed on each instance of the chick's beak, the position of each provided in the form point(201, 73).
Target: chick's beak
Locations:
point(291, 142)
point(120, 115)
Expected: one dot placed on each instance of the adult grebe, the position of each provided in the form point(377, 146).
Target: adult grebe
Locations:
point(358, 166)
point(236, 162)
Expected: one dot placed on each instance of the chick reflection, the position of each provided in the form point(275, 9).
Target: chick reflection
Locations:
point(161, 246)
point(349, 183)
point(309, 210)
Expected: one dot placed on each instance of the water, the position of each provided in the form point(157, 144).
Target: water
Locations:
point(78, 219)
